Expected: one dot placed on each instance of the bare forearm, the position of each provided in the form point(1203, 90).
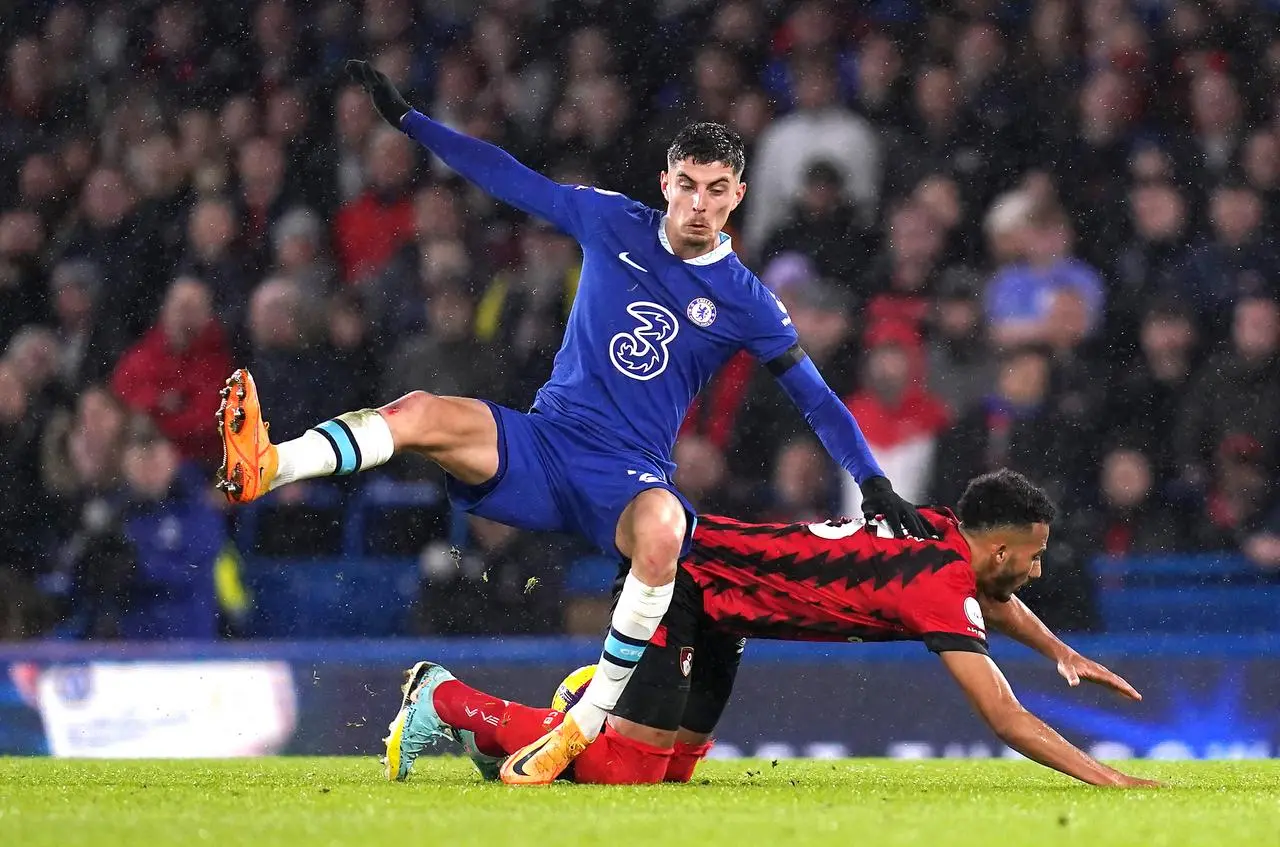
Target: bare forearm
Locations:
point(1038, 741)
point(993, 699)
point(1016, 620)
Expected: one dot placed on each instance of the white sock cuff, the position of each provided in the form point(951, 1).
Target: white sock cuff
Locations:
point(649, 601)
point(635, 619)
point(374, 434)
point(360, 440)
point(309, 455)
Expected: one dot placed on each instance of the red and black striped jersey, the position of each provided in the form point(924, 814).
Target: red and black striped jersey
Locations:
point(838, 581)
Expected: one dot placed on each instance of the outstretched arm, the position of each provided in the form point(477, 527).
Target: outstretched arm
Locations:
point(839, 432)
point(830, 419)
point(989, 693)
point(491, 168)
point(1016, 620)
point(488, 166)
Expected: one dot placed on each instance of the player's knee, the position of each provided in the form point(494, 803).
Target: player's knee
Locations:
point(414, 419)
point(659, 539)
point(656, 566)
point(651, 534)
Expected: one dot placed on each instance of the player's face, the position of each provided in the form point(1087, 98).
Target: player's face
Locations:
point(1015, 560)
point(699, 200)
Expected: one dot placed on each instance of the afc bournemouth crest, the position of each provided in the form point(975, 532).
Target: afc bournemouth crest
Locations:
point(686, 660)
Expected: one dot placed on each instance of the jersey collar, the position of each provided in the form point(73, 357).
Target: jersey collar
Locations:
point(724, 248)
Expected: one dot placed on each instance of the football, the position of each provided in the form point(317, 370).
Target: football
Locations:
point(570, 691)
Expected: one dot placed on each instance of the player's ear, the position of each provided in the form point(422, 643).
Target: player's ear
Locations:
point(662, 181)
point(1002, 551)
point(739, 194)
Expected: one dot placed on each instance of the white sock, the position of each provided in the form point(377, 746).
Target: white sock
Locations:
point(353, 441)
point(635, 619)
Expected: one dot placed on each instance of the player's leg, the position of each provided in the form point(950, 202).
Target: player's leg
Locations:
point(638, 739)
point(459, 434)
point(647, 720)
point(718, 656)
point(615, 757)
point(618, 757)
point(651, 532)
point(489, 728)
point(437, 706)
point(416, 724)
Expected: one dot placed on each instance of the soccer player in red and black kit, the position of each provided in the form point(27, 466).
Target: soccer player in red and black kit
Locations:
point(835, 581)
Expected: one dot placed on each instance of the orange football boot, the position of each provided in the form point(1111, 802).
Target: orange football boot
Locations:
point(542, 761)
point(249, 459)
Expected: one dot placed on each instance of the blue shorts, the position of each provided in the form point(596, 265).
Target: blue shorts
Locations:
point(553, 477)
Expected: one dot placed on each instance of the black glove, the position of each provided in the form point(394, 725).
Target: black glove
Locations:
point(386, 99)
point(879, 500)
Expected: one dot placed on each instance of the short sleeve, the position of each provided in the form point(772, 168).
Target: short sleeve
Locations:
point(946, 642)
point(768, 332)
point(942, 610)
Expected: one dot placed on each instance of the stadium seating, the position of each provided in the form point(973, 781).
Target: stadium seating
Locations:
point(1212, 592)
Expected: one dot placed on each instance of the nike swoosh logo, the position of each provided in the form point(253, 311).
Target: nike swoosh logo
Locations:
point(519, 764)
point(625, 256)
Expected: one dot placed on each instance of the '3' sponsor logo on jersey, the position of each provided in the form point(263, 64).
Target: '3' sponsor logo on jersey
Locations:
point(642, 353)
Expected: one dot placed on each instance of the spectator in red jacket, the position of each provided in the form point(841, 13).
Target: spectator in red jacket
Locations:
point(370, 229)
point(900, 418)
point(168, 375)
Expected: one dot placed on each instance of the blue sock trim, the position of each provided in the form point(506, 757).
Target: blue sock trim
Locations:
point(355, 445)
point(333, 445)
point(343, 445)
point(623, 650)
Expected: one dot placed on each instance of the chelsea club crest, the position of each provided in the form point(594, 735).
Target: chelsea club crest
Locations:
point(702, 312)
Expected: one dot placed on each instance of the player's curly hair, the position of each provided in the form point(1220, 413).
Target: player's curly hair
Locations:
point(1003, 498)
point(708, 142)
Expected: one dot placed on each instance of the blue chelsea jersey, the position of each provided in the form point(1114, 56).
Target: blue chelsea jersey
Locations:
point(648, 330)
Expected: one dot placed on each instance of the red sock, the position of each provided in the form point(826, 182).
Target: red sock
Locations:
point(521, 725)
point(463, 707)
point(684, 758)
point(614, 759)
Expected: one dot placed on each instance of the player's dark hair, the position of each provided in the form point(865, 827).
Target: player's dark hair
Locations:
point(1003, 498)
point(708, 142)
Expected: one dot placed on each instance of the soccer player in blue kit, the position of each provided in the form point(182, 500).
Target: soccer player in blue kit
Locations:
point(662, 303)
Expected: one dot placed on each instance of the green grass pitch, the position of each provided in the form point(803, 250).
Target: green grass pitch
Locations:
point(852, 803)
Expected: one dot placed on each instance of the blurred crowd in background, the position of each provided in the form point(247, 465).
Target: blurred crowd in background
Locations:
point(1038, 234)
